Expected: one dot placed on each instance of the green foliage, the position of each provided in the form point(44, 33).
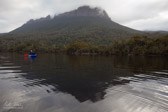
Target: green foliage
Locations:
point(141, 45)
point(78, 47)
point(136, 45)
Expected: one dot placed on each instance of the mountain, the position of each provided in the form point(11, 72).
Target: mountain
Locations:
point(2, 34)
point(84, 23)
point(159, 31)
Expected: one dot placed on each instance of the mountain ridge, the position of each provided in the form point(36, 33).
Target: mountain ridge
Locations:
point(85, 12)
point(80, 11)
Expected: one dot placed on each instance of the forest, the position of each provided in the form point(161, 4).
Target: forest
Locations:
point(136, 45)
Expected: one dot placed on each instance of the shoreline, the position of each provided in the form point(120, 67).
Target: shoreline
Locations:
point(91, 54)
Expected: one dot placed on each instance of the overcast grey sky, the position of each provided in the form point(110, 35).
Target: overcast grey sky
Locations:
point(137, 14)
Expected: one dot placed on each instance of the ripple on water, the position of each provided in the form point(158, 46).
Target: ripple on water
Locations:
point(142, 92)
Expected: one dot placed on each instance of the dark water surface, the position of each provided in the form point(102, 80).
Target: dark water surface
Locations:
point(60, 83)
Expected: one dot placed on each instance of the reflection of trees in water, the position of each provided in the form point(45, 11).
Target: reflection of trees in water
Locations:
point(139, 64)
point(84, 77)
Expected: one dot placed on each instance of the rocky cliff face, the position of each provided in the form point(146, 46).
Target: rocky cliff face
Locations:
point(85, 11)
point(31, 21)
point(88, 12)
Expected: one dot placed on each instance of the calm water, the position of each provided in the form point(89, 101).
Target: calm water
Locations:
point(60, 83)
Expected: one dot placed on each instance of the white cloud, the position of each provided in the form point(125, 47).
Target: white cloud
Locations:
point(138, 14)
point(159, 22)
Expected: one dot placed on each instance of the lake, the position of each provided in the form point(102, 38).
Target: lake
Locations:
point(62, 83)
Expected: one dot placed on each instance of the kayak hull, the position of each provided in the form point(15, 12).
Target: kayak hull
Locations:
point(32, 55)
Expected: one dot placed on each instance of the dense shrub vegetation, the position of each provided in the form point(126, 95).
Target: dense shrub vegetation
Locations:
point(136, 45)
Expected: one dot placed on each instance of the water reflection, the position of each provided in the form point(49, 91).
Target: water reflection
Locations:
point(32, 59)
point(71, 83)
point(75, 76)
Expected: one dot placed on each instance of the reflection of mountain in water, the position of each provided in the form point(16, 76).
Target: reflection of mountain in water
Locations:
point(82, 87)
point(85, 78)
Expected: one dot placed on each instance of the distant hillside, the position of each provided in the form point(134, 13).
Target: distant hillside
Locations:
point(85, 23)
point(160, 31)
point(2, 34)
